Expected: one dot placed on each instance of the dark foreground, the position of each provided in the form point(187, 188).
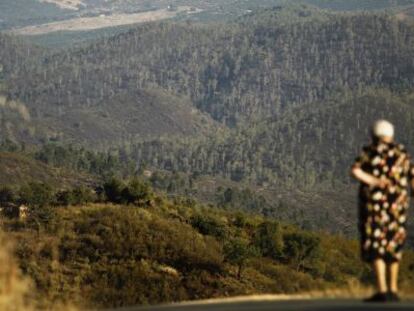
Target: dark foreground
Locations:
point(296, 305)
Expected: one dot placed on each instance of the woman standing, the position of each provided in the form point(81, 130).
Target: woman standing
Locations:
point(383, 168)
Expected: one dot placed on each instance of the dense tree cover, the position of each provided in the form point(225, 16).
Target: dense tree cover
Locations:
point(306, 147)
point(16, 55)
point(297, 89)
point(81, 159)
point(249, 74)
point(39, 194)
point(236, 72)
point(101, 255)
point(272, 75)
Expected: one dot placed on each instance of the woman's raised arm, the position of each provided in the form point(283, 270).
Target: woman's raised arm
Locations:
point(368, 179)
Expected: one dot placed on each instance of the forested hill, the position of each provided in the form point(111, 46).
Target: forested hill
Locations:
point(237, 72)
point(278, 99)
point(124, 115)
point(303, 157)
point(15, 55)
point(306, 147)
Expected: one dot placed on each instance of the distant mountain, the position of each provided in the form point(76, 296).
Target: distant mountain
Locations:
point(355, 5)
point(15, 13)
point(59, 23)
point(236, 73)
point(18, 13)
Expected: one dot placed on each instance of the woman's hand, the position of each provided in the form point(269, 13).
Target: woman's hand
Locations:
point(369, 179)
point(382, 182)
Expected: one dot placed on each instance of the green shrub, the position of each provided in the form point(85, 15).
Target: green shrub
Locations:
point(36, 194)
point(269, 240)
point(136, 192)
point(7, 195)
point(65, 198)
point(83, 195)
point(209, 226)
point(238, 252)
point(113, 190)
point(301, 248)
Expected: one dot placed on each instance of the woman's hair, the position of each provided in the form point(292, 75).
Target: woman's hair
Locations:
point(382, 128)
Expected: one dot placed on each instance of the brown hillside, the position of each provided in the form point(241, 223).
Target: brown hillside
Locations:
point(17, 169)
point(141, 114)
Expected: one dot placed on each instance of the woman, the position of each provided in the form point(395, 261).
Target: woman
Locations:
point(383, 168)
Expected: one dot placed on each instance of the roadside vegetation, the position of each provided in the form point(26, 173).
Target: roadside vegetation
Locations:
point(129, 245)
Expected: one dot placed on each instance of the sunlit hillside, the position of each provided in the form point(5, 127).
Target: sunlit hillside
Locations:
point(138, 247)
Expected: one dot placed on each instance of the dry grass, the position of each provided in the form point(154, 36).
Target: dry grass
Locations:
point(16, 290)
point(103, 21)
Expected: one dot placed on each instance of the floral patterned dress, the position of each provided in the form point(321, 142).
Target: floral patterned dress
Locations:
point(383, 212)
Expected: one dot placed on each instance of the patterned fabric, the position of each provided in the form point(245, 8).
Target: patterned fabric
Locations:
point(383, 211)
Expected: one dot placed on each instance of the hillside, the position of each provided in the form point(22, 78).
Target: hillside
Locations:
point(17, 169)
point(308, 149)
point(137, 114)
point(18, 13)
point(292, 64)
point(229, 90)
point(65, 22)
point(279, 82)
point(126, 116)
point(103, 255)
point(15, 54)
point(355, 5)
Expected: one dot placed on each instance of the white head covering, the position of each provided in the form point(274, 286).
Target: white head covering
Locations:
point(383, 128)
